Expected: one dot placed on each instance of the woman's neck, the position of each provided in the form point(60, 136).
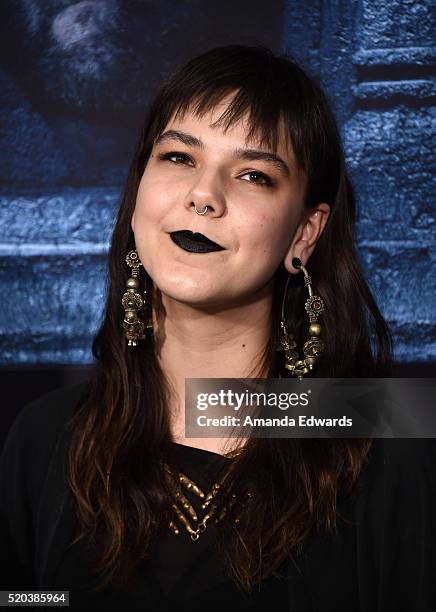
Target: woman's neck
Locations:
point(198, 343)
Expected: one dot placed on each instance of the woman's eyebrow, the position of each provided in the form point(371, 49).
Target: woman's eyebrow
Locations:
point(247, 154)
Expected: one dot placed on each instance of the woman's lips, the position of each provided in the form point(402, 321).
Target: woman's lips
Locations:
point(194, 246)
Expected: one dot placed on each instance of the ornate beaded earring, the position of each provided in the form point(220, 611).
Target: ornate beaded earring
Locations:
point(132, 302)
point(314, 306)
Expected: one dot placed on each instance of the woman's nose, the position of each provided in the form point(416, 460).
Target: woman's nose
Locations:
point(207, 191)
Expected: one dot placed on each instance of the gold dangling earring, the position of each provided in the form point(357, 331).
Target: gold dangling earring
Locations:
point(314, 306)
point(133, 302)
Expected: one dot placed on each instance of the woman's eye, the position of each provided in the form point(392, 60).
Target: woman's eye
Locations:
point(261, 179)
point(256, 177)
point(174, 154)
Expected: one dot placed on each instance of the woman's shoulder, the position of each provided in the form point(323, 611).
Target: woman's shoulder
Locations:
point(38, 424)
point(396, 469)
point(393, 457)
point(57, 405)
point(397, 486)
point(42, 417)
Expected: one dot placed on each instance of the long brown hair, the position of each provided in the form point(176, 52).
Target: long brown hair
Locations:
point(122, 427)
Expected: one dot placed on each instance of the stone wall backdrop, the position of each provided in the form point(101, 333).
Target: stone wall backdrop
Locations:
point(376, 60)
point(75, 79)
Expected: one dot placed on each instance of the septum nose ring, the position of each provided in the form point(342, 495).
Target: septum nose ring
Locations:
point(201, 213)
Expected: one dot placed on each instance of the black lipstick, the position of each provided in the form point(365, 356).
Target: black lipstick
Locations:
point(194, 242)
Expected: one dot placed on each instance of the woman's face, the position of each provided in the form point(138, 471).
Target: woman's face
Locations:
point(255, 206)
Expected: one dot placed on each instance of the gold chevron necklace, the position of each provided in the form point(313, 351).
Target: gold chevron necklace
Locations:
point(185, 512)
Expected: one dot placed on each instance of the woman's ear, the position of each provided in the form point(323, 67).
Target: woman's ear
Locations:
point(306, 236)
point(132, 223)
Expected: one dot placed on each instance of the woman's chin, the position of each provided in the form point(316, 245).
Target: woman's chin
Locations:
point(193, 296)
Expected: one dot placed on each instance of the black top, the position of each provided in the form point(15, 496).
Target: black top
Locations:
point(382, 557)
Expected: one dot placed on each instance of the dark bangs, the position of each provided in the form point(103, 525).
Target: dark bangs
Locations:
point(275, 96)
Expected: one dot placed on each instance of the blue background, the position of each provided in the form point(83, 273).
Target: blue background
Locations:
point(75, 79)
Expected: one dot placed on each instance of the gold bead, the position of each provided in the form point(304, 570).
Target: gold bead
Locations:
point(132, 283)
point(314, 329)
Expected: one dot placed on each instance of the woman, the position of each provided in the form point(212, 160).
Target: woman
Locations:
point(103, 495)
